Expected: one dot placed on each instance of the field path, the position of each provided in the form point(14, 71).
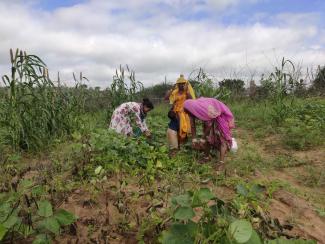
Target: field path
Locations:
point(297, 206)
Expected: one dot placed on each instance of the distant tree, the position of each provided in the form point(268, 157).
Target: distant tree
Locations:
point(156, 92)
point(319, 82)
point(300, 88)
point(264, 90)
point(236, 86)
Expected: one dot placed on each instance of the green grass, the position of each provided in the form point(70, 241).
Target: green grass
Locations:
point(303, 126)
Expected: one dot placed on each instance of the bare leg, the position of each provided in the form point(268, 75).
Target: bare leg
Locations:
point(223, 150)
point(206, 149)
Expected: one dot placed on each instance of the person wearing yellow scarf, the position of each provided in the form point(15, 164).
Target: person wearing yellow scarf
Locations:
point(177, 96)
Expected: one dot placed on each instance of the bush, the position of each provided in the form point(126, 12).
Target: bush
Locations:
point(305, 127)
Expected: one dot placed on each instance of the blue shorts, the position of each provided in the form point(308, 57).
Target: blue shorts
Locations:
point(173, 125)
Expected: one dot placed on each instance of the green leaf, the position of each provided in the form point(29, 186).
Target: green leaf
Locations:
point(205, 194)
point(182, 200)
point(257, 188)
point(64, 217)
point(241, 230)
point(202, 196)
point(180, 234)
point(11, 221)
point(184, 213)
point(44, 209)
point(255, 239)
point(24, 184)
point(98, 170)
point(51, 224)
point(242, 190)
point(5, 209)
point(38, 190)
point(3, 232)
point(42, 239)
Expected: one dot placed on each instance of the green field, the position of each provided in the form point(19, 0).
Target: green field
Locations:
point(66, 178)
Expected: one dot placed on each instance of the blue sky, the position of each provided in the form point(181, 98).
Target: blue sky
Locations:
point(54, 4)
point(158, 38)
point(240, 14)
point(244, 12)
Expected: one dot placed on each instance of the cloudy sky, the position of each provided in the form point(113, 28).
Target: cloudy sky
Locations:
point(158, 38)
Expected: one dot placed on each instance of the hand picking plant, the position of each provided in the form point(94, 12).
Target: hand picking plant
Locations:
point(24, 213)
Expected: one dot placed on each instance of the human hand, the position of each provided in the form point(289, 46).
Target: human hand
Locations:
point(147, 133)
point(195, 143)
point(199, 144)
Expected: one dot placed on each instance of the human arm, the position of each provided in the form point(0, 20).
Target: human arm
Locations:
point(188, 94)
point(193, 126)
point(141, 123)
point(207, 125)
point(169, 92)
point(167, 95)
point(230, 117)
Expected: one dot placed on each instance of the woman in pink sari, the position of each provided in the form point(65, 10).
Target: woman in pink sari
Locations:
point(217, 119)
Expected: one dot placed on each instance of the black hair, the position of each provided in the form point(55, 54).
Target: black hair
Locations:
point(171, 114)
point(146, 102)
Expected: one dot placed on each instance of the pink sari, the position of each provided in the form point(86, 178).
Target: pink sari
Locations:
point(211, 110)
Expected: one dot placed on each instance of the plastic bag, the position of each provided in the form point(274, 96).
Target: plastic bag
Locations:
point(234, 147)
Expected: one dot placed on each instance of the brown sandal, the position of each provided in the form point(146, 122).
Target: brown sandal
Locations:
point(205, 160)
point(220, 166)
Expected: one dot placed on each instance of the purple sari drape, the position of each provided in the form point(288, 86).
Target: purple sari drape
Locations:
point(210, 109)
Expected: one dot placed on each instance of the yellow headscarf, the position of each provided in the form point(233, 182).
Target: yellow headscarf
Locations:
point(174, 93)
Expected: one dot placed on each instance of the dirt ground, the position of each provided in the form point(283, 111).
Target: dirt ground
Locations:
point(285, 206)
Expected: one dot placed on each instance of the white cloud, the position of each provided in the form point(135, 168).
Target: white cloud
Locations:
point(96, 37)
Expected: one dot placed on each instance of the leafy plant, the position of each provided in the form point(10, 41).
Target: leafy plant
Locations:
point(200, 217)
point(206, 87)
point(281, 83)
point(34, 111)
point(24, 213)
point(304, 127)
point(124, 88)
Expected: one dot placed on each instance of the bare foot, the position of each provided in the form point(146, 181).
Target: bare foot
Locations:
point(205, 159)
point(220, 166)
point(172, 153)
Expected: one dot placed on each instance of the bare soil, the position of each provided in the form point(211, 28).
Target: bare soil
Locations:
point(285, 206)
